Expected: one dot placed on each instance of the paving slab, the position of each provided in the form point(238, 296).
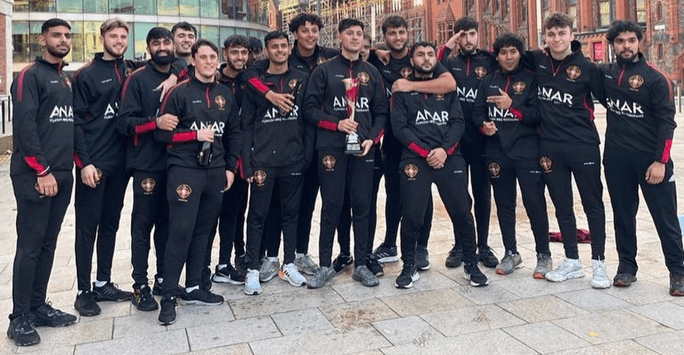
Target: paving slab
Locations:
point(665, 313)
point(189, 316)
point(664, 344)
point(426, 302)
point(219, 334)
point(491, 342)
point(344, 315)
point(610, 326)
point(301, 321)
point(409, 330)
point(640, 293)
point(615, 348)
point(171, 342)
point(237, 349)
point(545, 337)
point(283, 302)
point(486, 295)
point(471, 320)
point(353, 291)
point(592, 300)
point(541, 309)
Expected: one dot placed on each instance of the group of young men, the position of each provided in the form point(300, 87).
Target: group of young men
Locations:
point(196, 139)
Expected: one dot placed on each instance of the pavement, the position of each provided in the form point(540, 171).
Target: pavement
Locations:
point(515, 314)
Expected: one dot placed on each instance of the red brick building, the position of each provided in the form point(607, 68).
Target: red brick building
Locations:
point(5, 45)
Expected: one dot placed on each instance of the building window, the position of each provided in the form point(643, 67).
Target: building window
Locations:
point(572, 12)
point(641, 11)
point(70, 6)
point(121, 6)
point(523, 10)
point(660, 52)
point(445, 31)
point(167, 7)
point(189, 8)
point(141, 30)
point(21, 42)
point(604, 13)
point(659, 11)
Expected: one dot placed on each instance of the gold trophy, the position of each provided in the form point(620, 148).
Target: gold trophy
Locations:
point(353, 145)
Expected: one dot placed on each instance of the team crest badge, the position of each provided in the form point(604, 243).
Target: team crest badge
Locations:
point(363, 78)
point(184, 191)
point(546, 164)
point(635, 81)
point(321, 60)
point(439, 97)
point(148, 185)
point(411, 171)
point(260, 177)
point(494, 169)
point(128, 72)
point(573, 72)
point(220, 101)
point(329, 162)
point(406, 72)
point(292, 83)
point(519, 87)
point(67, 82)
point(481, 72)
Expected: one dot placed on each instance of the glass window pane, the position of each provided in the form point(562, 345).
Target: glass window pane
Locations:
point(95, 6)
point(209, 8)
point(225, 33)
point(121, 6)
point(21, 6)
point(20, 42)
point(145, 7)
point(167, 7)
point(91, 39)
point(70, 6)
point(130, 52)
point(34, 45)
point(189, 7)
point(211, 33)
point(42, 5)
point(77, 53)
point(241, 31)
point(141, 30)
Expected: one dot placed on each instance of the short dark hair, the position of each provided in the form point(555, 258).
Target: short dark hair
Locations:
point(203, 42)
point(237, 41)
point(53, 22)
point(301, 19)
point(184, 26)
point(423, 44)
point(158, 33)
point(557, 19)
point(275, 35)
point(620, 26)
point(508, 40)
point(393, 22)
point(466, 23)
point(255, 44)
point(348, 22)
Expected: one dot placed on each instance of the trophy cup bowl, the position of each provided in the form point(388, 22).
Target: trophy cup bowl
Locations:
point(352, 142)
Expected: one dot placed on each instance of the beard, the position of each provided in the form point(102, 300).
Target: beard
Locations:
point(631, 58)
point(468, 51)
point(162, 60)
point(235, 68)
point(422, 70)
point(56, 52)
point(399, 48)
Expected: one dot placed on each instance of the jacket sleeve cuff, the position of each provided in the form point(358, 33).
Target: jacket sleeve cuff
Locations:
point(419, 150)
point(517, 113)
point(329, 125)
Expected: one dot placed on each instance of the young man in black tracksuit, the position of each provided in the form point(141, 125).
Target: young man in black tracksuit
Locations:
point(306, 56)
point(640, 114)
point(202, 155)
point(100, 155)
point(277, 149)
point(236, 50)
point(507, 114)
point(40, 169)
point(326, 106)
point(469, 66)
point(137, 118)
point(429, 128)
point(569, 143)
point(395, 69)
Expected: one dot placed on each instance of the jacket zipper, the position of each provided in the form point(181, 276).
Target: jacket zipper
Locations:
point(116, 69)
point(622, 73)
point(208, 101)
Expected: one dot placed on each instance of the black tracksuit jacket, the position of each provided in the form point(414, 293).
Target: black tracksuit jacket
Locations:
point(43, 120)
point(516, 134)
point(237, 85)
point(270, 139)
point(136, 118)
point(198, 106)
point(325, 103)
point(640, 103)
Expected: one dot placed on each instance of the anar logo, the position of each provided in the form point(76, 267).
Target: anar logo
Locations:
point(480, 71)
point(148, 185)
point(573, 72)
point(329, 162)
point(494, 169)
point(439, 97)
point(260, 177)
point(406, 72)
point(635, 81)
point(184, 191)
point(363, 78)
point(519, 86)
point(220, 101)
point(546, 164)
point(411, 171)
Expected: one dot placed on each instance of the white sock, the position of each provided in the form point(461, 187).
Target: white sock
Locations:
point(273, 258)
point(190, 289)
point(160, 280)
point(221, 266)
point(299, 255)
point(100, 283)
point(79, 292)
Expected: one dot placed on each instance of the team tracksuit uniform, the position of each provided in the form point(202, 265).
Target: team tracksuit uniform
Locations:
point(146, 162)
point(324, 106)
point(421, 123)
point(195, 191)
point(469, 70)
point(569, 142)
point(276, 151)
point(513, 153)
point(640, 114)
point(43, 144)
point(97, 92)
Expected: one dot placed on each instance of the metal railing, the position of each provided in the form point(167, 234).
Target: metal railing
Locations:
point(6, 115)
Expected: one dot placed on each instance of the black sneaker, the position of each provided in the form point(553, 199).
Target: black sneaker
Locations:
point(487, 257)
point(110, 292)
point(22, 331)
point(202, 297)
point(143, 298)
point(228, 275)
point(455, 257)
point(676, 284)
point(167, 315)
point(342, 262)
point(375, 266)
point(386, 254)
point(157, 289)
point(48, 316)
point(86, 305)
point(472, 272)
point(408, 275)
point(623, 279)
point(422, 258)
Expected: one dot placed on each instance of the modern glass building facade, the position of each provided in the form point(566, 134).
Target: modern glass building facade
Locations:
point(215, 20)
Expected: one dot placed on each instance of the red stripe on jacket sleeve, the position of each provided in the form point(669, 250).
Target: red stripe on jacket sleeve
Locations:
point(440, 55)
point(184, 137)
point(260, 86)
point(34, 164)
point(517, 113)
point(145, 127)
point(452, 149)
point(418, 150)
point(78, 161)
point(329, 125)
point(666, 151)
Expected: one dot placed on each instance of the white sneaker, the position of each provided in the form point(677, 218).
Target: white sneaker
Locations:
point(568, 269)
point(252, 285)
point(291, 274)
point(269, 269)
point(600, 279)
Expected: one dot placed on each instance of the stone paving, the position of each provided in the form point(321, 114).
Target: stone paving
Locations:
point(515, 314)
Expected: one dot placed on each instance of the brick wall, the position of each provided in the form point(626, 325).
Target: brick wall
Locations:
point(3, 57)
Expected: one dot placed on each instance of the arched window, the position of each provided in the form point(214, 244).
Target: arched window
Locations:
point(659, 11)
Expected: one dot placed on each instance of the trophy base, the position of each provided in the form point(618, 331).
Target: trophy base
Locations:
point(353, 149)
